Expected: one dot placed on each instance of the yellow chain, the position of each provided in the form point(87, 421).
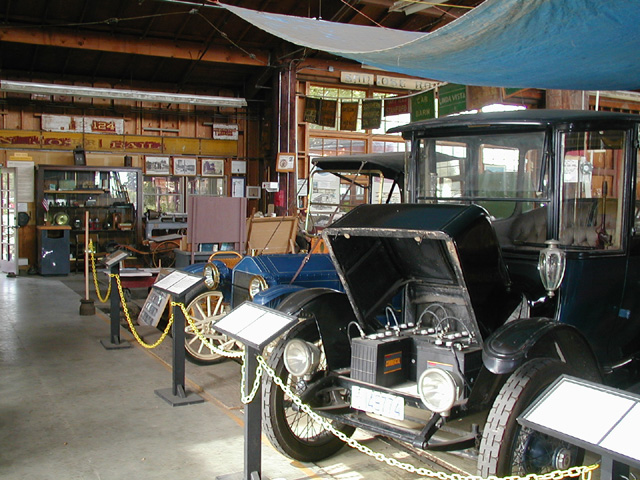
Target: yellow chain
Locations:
point(131, 326)
point(583, 471)
point(95, 277)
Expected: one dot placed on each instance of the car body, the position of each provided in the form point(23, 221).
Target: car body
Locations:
point(514, 260)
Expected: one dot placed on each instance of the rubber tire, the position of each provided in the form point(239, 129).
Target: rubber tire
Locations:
point(275, 423)
point(500, 435)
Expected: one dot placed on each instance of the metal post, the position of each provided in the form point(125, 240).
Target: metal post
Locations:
point(114, 313)
point(177, 395)
point(252, 419)
point(613, 470)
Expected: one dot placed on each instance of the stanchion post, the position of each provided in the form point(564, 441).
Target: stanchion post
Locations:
point(253, 419)
point(114, 313)
point(178, 395)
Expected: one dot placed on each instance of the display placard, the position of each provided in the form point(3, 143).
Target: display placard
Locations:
point(602, 421)
point(114, 258)
point(255, 325)
point(178, 283)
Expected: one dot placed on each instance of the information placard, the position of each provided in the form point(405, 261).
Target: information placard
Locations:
point(177, 283)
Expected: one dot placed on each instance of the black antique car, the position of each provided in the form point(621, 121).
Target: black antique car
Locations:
point(515, 260)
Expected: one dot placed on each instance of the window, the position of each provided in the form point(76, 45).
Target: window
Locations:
point(592, 189)
point(163, 194)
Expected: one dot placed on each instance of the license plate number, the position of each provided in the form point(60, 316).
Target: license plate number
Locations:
point(380, 403)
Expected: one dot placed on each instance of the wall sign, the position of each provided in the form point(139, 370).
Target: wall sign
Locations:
point(357, 78)
point(286, 162)
point(225, 132)
point(452, 98)
point(405, 83)
point(423, 106)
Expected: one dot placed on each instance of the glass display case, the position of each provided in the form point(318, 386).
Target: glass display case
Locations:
point(110, 195)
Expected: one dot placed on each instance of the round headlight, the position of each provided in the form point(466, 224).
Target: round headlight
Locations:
point(439, 389)
point(211, 276)
point(301, 358)
point(256, 285)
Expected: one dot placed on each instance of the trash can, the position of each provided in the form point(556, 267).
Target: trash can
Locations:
point(53, 250)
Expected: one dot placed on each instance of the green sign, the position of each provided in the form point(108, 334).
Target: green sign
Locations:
point(452, 98)
point(423, 106)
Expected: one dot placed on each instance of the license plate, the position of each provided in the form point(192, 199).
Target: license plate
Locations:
point(377, 402)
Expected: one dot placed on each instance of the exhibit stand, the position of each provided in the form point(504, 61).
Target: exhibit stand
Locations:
point(112, 262)
point(178, 285)
point(255, 326)
point(600, 419)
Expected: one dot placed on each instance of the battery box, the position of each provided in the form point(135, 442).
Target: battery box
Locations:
point(467, 360)
point(380, 360)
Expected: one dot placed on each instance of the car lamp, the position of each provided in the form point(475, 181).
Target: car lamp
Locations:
point(211, 276)
point(301, 358)
point(439, 389)
point(256, 285)
point(551, 266)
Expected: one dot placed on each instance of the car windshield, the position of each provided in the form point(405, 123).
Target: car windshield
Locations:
point(501, 172)
point(510, 176)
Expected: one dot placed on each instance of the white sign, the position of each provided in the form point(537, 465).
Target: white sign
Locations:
point(225, 132)
point(73, 123)
point(405, 83)
point(356, 78)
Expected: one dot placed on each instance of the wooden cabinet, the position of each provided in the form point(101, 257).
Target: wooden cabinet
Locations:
point(112, 196)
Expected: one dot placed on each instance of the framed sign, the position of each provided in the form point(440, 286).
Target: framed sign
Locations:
point(185, 166)
point(237, 187)
point(156, 165)
point(286, 162)
point(212, 167)
point(238, 166)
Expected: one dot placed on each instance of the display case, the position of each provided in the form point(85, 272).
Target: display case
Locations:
point(110, 195)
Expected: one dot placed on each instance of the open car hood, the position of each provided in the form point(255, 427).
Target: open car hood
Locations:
point(377, 249)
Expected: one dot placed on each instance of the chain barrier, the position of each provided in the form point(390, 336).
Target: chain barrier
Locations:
point(95, 275)
point(584, 471)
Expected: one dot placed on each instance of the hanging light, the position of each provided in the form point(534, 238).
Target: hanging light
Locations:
point(551, 266)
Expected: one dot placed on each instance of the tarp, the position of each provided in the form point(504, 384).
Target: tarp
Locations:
point(559, 44)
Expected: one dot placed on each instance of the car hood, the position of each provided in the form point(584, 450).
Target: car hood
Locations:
point(377, 249)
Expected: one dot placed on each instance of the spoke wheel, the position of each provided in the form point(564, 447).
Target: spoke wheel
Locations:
point(290, 430)
point(507, 448)
point(163, 254)
point(205, 310)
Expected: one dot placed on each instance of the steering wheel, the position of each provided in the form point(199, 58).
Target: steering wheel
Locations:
point(223, 252)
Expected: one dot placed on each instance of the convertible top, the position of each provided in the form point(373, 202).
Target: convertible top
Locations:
point(391, 164)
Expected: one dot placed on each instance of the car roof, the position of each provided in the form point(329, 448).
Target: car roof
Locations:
point(391, 164)
point(517, 118)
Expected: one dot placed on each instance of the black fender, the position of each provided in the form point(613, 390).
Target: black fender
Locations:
point(518, 341)
point(333, 314)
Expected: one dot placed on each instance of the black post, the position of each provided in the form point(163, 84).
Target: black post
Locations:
point(613, 470)
point(177, 395)
point(252, 419)
point(114, 313)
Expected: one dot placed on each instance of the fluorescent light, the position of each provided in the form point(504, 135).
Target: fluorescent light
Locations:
point(114, 93)
point(408, 7)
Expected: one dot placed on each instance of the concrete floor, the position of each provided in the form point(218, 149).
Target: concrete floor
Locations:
point(70, 409)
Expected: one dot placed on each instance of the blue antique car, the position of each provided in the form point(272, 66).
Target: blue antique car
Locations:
point(266, 279)
point(516, 259)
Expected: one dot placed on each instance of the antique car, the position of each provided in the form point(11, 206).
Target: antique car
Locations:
point(266, 279)
point(515, 260)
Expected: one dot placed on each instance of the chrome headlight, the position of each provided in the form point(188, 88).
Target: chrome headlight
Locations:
point(211, 276)
point(439, 389)
point(301, 358)
point(551, 265)
point(256, 285)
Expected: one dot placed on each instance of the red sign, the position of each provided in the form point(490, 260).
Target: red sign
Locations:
point(396, 106)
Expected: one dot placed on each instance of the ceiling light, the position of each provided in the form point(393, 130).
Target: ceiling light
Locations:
point(408, 7)
point(114, 93)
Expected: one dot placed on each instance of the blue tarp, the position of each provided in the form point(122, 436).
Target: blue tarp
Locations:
point(560, 44)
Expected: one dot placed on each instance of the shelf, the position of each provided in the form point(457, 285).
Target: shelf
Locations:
point(85, 207)
point(73, 192)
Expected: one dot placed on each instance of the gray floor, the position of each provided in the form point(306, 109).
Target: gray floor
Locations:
point(70, 409)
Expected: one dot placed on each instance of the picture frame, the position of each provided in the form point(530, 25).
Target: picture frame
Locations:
point(238, 167)
point(286, 162)
point(185, 166)
point(253, 192)
point(212, 167)
point(156, 165)
point(238, 187)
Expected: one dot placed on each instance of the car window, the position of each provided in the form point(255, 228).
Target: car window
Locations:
point(592, 189)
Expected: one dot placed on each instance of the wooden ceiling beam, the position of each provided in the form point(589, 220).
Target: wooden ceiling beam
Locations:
point(134, 46)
